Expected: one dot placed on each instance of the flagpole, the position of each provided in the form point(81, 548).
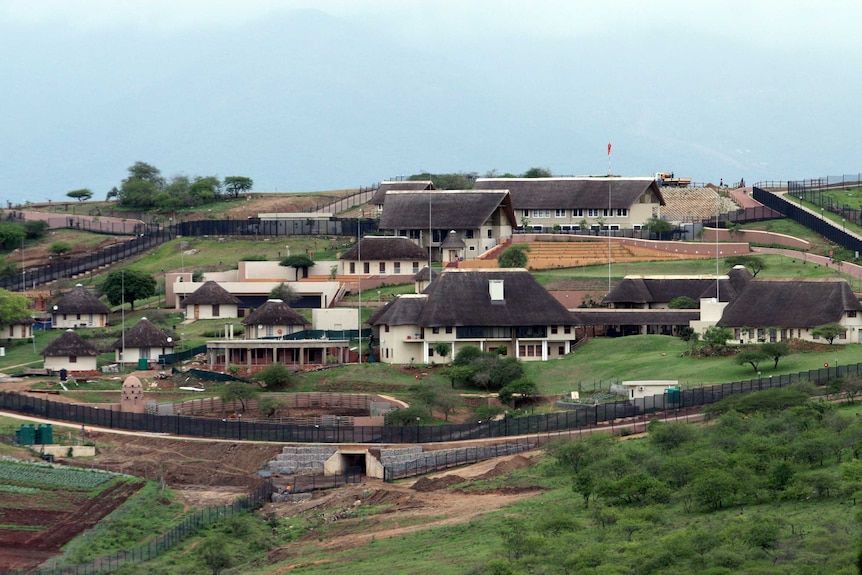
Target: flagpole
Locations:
point(609, 216)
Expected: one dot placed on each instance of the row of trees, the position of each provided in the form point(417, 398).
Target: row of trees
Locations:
point(145, 187)
point(466, 180)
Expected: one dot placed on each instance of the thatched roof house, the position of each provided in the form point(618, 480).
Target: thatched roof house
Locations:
point(652, 292)
point(546, 202)
point(143, 341)
point(379, 196)
point(799, 304)
point(211, 301)
point(482, 218)
point(487, 308)
point(70, 352)
point(79, 308)
point(274, 319)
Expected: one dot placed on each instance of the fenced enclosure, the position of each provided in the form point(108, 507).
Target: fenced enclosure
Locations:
point(582, 417)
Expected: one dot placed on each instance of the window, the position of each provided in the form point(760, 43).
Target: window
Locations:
point(577, 213)
point(437, 235)
point(415, 267)
point(366, 267)
point(414, 234)
point(537, 227)
point(216, 310)
point(78, 316)
point(383, 267)
point(526, 213)
point(469, 234)
point(353, 267)
point(606, 213)
point(567, 329)
point(396, 267)
point(430, 351)
point(561, 350)
point(73, 359)
point(553, 329)
point(449, 329)
point(541, 213)
point(592, 213)
point(435, 330)
point(622, 212)
point(560, 213)
point(386, 328)
point(851, 313)
point(490, 233)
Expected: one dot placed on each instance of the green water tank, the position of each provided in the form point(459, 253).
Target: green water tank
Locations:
point(26, 435)
point(45, 434)
point(143, 364)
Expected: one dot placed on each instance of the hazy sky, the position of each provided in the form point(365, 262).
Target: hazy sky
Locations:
point(315, 95)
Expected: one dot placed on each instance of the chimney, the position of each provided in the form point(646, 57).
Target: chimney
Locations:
point(495, 290)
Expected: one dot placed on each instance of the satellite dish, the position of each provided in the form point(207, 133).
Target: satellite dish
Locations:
point(170, 339)
point(55, 308)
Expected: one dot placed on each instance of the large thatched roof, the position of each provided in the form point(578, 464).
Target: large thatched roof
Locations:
point(790, 304)
point(211, 293)
point(464, 298)
point(144, 334)
point(562, 193)
point(80, 300)
point(274, 312)
point(415, 185)
point(388, 248)
point(444, 209)
point(647, 290)
point(70, 344)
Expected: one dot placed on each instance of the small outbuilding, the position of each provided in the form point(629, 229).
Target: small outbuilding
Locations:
point(211, 301)
point(79, 308)
point(70, 352)
point(145, 342)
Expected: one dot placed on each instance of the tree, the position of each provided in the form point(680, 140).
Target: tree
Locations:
point(716, 337)
point(657, 226)
point(442, 348)
point(522, 387)
point(13, 307)
point(754, 264)
point(35, 229)
point(60, 248)
point(284, 292)
point(829, 331)
point(513, 257)
point(466, 355)
point(751, 356)
point(236, 185)
point(683, 302)
point(239, 391)
point(538, 173)
point(775, 350)
point(269, 406)
point(274, 376)
point(215, 554)
point(297, 262)
point(142, 186)
point(127, 286)
point(81, 195)
point(11, 235)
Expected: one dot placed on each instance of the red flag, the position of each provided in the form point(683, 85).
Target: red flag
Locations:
point(609, 148)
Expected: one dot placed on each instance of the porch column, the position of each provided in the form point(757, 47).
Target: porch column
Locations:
point(544, 351)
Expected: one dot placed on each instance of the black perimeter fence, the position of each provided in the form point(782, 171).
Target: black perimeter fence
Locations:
point(815, 222)
point(815, 192)
point(581, 417)
point(153, 235)
point(196, 520)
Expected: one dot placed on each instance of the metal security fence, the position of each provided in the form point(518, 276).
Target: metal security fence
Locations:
point(815, 192)
point(258, 227)
point(582, 417)
point(59, 269)
point(155, 547)
point(444, 459)
point(815, 222)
